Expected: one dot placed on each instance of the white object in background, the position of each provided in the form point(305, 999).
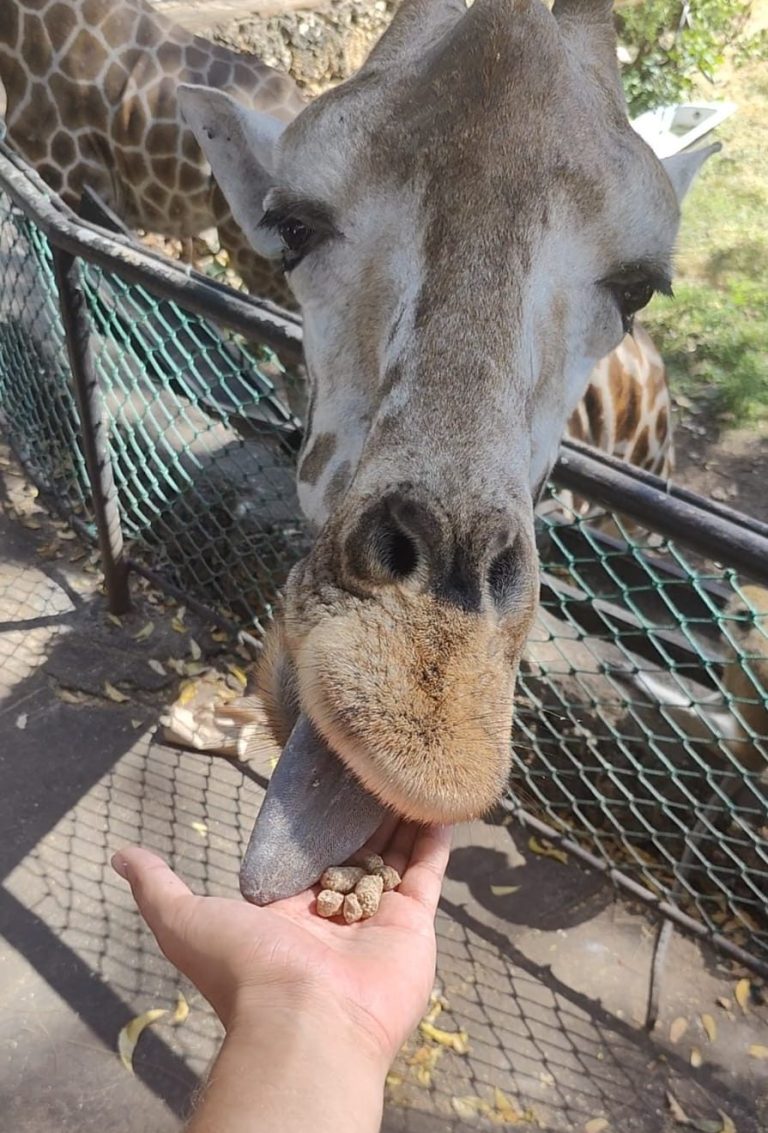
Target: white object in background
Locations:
point(671, 129)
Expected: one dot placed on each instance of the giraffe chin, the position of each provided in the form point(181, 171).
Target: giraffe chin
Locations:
point(315, 814)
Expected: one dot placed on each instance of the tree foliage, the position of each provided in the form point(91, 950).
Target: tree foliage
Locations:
point(667, 45)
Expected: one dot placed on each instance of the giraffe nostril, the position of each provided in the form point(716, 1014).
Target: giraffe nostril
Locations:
point(396, 551)
point(504, 575)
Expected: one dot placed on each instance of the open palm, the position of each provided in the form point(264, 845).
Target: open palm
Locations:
point(379, 972)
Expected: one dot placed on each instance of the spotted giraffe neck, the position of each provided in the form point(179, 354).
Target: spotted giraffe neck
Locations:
point(91, 100)
point(627, 408)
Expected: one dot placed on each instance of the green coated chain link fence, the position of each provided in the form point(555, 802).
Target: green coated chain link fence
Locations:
point(642, 728)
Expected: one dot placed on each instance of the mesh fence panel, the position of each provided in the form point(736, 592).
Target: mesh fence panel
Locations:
point(36, 396)
point(639, 728)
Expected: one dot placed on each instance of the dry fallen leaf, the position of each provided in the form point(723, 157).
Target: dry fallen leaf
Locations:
point(129, 1036)
point(757, 1050)
point(220, 635)
point(724, 1002)
point(181, 1011)
point(545, 849)
point(596, 1125)
point(696, 1059)
point(69, 696)
point(239, 674)
point(186, 693)
point(470, 1107)
point(742, 995)
point(456, 1040)
point(727, 1126)
point(114, 693)
point(504, 1112)
point(178, 625)
point(115, 620)
point(677, 1111)
point(504, 890)
point(436, 1004)
point(710, 1027)
point(501, 1113)
point(145, 632)
point(422, 1062)
point(22, 720)
point(195, 649)
point(393, 1081)
point(157, 667)
point(677, 1029)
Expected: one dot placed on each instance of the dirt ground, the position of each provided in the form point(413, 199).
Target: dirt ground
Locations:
point(730, 466)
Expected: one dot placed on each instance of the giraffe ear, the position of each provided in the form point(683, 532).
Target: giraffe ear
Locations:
point(682, 168)
point(239, 145)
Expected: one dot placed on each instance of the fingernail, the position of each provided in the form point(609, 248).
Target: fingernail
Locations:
point(120, 865)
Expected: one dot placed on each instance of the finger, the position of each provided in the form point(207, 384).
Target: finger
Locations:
point(156, 888)
point(400, 850)
point(424, 875)
point(379, 840)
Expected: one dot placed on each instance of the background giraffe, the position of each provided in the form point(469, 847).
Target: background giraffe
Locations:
point(626, 411)
point(91, 100)
point(90, 91)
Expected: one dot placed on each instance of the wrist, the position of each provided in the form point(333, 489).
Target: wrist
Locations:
point(288, 1067)
point(305, 1023)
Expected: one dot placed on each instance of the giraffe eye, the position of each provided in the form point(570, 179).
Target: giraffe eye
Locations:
point(297, 240)
point(294, 233)
point(633, 288)
point(632, 297)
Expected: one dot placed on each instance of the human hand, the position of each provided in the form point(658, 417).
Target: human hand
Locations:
point(374, 977)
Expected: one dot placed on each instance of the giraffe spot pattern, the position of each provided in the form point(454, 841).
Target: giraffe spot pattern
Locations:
point(639, 453)
point(135, 166)
point(114, 81)
point(61, 21)
point(662, 425)
point(196, 59)
point(9, 23)
point(190, 177)
point(337, 485)
point(161, 139)
point(87, 55)
point(36, 47)
point(42, 114)
point(314, 462)
point(62, 148)
point(52, 175)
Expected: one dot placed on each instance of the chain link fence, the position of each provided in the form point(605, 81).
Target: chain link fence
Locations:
point(641, 737)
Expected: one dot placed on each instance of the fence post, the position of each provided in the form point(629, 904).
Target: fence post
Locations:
point(74, 314)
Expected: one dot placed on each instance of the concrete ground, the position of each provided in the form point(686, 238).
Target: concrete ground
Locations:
point(546, 972)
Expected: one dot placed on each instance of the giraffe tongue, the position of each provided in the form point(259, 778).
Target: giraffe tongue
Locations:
point(315, 814)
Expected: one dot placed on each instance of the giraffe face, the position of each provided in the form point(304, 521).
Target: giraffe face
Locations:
point(468, 225)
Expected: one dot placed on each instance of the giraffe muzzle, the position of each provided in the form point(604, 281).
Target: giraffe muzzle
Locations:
point(315, 814)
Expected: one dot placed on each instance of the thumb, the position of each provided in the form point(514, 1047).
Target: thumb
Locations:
point(156, 889)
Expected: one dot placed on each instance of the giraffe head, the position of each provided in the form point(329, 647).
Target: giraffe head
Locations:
point(468, 224)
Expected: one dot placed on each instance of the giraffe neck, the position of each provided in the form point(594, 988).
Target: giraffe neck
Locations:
point(626, 410)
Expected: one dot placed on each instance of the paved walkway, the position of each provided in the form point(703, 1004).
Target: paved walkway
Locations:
point(545, 971)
